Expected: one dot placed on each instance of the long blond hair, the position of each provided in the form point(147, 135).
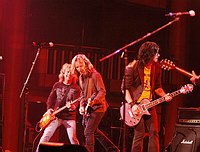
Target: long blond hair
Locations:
point(65, 67)
point(89, 68)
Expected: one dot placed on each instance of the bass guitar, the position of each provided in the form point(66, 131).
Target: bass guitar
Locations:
point(169, 65)
point(132, 120)
point(48, 118)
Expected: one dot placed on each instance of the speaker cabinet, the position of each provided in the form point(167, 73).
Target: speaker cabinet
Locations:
point(60, 147)
point(35, 112)
point(186, 138)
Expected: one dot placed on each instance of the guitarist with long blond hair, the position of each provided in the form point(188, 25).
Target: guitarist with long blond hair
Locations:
point(93, 105)
point(62, 93)
point(143, 81)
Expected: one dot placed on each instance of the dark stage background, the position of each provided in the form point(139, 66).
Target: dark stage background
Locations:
point(95, 28)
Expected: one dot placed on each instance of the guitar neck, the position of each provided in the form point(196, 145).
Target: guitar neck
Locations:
point(162, 99)
point(184, 72)
point(59, 110)
point(64, 107)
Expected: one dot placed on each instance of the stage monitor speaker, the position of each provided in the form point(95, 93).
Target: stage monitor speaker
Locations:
point(60, 147)
point(186, 138)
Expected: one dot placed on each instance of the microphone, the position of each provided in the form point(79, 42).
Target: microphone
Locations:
point(191, 13)
point(43, 44)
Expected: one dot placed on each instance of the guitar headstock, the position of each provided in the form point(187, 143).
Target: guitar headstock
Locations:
point(187, 88)
point(167, 64)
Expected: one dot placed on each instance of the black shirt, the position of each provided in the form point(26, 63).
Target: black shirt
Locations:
point(60, 94)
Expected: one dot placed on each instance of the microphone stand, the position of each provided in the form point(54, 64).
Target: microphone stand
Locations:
point(25, 92)
point(125, 57)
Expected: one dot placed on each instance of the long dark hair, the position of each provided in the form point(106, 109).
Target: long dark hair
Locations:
point(147, 52)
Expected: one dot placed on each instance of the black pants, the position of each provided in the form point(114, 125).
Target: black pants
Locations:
point(91, 124)
point(151, 123)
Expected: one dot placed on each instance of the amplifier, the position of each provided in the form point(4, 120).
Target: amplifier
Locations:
point(186, 138)
point(188, 115)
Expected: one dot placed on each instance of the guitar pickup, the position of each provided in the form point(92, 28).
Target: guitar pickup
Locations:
point(130, 113)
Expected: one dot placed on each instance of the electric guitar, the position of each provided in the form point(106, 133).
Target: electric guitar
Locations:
point(132, 120)
point(169, 65)
point(48, 118)
point(88, 108)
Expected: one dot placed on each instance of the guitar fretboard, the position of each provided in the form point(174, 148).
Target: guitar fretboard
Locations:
point(64, 107)
point(184, 72)
point(160, 100)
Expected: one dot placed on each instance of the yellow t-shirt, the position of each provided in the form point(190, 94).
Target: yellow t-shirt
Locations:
point(147, 85)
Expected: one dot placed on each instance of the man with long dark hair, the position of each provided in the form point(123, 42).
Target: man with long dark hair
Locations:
point(143, 81)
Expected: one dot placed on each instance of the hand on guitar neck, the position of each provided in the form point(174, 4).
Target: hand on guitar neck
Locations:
point(169, 65)
point(195, 79)
point(134, 114)
point(136, 110)
point(70, 106)
point(49, 116)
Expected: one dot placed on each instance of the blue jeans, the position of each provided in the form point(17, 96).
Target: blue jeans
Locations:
point(70, 126)
point(91, 125)
point(151, 123)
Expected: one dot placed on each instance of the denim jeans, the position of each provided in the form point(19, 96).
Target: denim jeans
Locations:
point(70, 126)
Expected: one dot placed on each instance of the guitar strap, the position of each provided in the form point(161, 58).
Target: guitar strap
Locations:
point(89, 89)
point(88, 95)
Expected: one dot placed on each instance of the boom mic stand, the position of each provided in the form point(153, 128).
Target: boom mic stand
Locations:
point(24, 93)
point(125, 57)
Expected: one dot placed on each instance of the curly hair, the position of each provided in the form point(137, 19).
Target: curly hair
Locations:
point(147, 52)
point(65, 67)
point(89, 68)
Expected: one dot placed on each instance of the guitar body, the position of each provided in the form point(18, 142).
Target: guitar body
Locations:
point(142, 108)
point(131, 119)
point(46, 120)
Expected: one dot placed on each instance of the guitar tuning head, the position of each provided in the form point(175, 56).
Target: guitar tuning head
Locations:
point(187, 88)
